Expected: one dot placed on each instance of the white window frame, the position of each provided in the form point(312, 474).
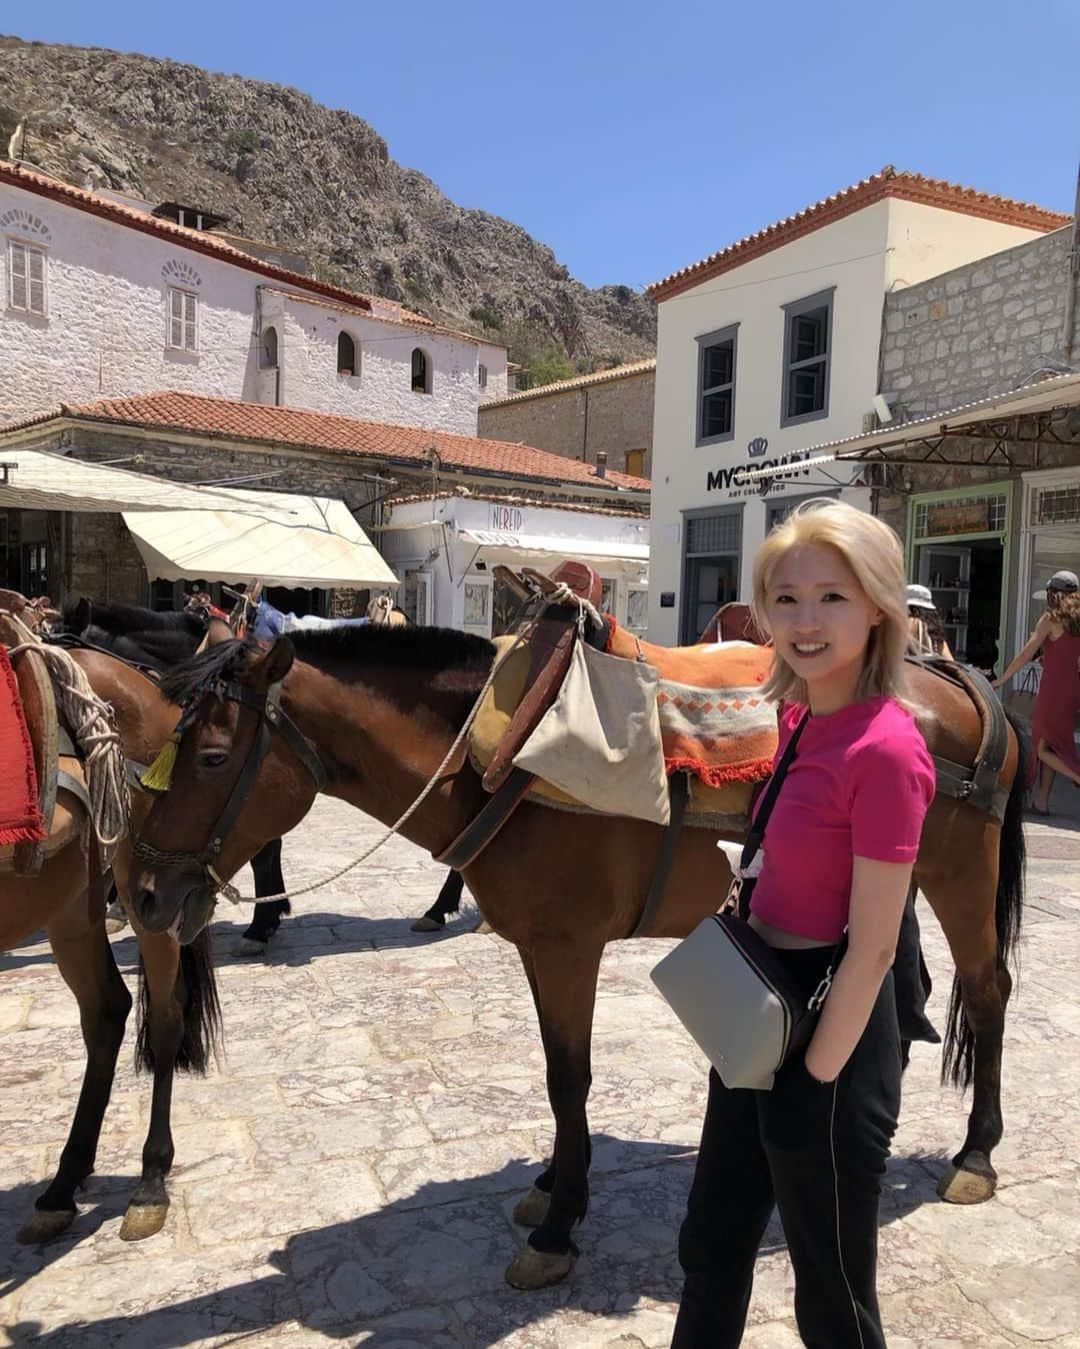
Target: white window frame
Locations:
point(423, 593)
point(486, 583)
point(637, 588)
point(26, 250)
point(175, 292)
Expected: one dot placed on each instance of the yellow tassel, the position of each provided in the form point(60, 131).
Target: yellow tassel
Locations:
point(158, 776)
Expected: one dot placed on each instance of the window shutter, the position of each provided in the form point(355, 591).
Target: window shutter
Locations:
point(36, 269)
point(189, 322)
point(17, 272)
point(176, 318)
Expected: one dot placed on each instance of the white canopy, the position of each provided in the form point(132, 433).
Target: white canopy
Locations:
point(590, 550)
point(37, 480)
point(325, 547)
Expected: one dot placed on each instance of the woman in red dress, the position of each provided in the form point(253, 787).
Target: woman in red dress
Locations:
point(1053, 725)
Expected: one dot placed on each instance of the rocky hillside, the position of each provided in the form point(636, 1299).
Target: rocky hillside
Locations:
point(285, 169)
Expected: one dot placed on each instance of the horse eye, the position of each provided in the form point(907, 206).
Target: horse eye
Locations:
point(212, 758)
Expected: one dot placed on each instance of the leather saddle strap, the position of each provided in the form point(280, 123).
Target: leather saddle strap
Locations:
point(678, 792)
point(480, 831)
point(29, 856)
point(978, 785)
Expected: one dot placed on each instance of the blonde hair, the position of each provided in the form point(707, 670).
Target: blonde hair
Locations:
point(872, 551)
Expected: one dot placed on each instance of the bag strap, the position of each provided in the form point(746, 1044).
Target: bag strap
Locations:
point(772, 791)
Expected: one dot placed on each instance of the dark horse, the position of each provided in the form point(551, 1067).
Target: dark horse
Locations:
point(158, 641)
point(380, 708)
point(179, 1019)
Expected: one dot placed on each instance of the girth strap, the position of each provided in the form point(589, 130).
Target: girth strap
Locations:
point(678, 793)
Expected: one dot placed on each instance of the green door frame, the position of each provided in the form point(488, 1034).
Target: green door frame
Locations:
point(1004, 537)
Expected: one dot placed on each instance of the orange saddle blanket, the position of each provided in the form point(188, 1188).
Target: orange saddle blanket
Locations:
point(20, 821)
point(714, 722)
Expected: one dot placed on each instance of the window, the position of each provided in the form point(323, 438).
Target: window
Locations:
point(421, 372)
point(716, 386)
point(183, 310)
point(711, 566)
point(807, 339)
point(346, 355)
point(635, 463)
point(26, 277)
point(481, 376)
point(268, 353)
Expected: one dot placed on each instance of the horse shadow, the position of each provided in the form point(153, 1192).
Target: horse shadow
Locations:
point(427, 1268)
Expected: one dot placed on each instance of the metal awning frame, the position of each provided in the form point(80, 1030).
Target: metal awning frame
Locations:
point(1014, 443)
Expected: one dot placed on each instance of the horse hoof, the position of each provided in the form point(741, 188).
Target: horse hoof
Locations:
point(142, 1221)
point(426, 924)
point(972, 1183)
point(532, 1269)
point(483, 926)
point(249, 946)
point(43, 1224)
point(532, 1208)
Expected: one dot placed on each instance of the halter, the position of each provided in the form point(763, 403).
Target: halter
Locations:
point(271, 718)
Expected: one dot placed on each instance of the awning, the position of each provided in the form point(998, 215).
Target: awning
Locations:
point(325, 548)
point(592, 550)
point(1009, 430)
point(37, 480)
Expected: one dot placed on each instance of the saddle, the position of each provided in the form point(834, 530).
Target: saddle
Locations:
point(63, 800)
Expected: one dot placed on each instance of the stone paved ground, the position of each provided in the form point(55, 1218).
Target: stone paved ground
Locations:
point(348, 1176)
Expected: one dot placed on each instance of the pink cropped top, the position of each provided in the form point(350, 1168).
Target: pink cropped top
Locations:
point(859, 786)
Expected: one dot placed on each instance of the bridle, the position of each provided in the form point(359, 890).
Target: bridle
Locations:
point(272, 717)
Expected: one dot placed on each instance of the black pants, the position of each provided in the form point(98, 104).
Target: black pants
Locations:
point(817, 1151)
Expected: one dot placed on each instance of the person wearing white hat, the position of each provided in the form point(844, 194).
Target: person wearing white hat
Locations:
point(1053, 724)
point(924, 623)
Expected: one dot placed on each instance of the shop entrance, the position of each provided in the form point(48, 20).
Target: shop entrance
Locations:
point(711, 567)
point(958, 544)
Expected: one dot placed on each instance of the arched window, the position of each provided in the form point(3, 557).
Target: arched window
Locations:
point(421, 372)
point(346, 355)
point(268, 355)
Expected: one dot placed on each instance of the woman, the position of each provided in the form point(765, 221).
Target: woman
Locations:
point(1053, 725)
point(829, 589)
point(924, 623)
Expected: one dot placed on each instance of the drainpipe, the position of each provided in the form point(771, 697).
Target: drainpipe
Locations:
point(1073, 280)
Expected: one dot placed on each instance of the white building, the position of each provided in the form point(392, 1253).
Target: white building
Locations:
point(770, 347)
point(99, 298)
point(444, 551)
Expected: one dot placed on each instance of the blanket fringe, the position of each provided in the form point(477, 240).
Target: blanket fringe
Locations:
point(721, 775)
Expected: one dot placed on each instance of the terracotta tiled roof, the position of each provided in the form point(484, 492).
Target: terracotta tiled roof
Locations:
point(889, 182)
point(196, 415)
point(579, 382)
point(18, 175)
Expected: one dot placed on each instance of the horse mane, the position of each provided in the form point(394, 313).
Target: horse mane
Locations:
point(419, 648)
point(126, 619)
point(412, 648)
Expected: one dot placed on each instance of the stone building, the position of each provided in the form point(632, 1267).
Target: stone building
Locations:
point(609, 412)
point(102, 299)
point(770, 348)
point(188, 438)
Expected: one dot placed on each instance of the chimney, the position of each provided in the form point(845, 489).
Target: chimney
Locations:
point(601, 463)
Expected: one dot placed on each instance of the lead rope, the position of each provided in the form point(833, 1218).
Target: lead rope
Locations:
point(562, 594)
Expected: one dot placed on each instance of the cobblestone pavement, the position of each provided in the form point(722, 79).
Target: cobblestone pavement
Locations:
point(348, 1175)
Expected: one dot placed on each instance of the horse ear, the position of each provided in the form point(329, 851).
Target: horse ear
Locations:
point(275, 664)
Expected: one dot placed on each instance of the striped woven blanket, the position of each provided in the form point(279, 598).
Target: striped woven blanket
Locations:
point(713, 721)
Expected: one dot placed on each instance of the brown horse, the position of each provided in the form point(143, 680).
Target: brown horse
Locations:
point(178, 1002)
point(381, 708)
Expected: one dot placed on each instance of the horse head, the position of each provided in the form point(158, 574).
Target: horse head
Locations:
point(243, 774)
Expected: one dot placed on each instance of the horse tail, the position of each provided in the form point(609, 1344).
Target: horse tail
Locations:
point(958, 1055)
point(202, 1033)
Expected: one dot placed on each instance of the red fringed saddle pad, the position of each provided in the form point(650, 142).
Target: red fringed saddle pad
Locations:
point(20, 821)
point(713, 721)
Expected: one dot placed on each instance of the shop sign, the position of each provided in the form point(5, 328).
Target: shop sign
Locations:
point(733, 480)
point(962, 517)
point(506, 518)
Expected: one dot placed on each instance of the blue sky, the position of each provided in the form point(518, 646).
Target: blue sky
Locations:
point(638, 137)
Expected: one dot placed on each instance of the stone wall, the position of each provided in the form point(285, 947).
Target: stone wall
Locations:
point(614, 416)
point(979, 330)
